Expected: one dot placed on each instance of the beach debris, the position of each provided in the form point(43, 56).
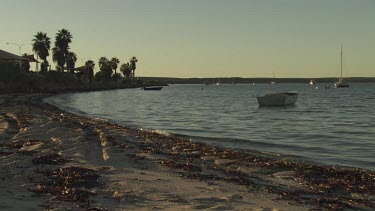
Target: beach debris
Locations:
point(28, 152)
point(152, 150)
point(32, 142)
point(69, 184)
point(13, 145)
point(326, 187)
point(125, 146)
point(333, 180)
point(23, 119)
point(5, 153)
point(50, 159)
point(188, 165)
point(96, 209)
point(30, 147)
point(17, 144)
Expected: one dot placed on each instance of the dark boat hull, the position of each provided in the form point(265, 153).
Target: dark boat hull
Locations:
point(152, 88)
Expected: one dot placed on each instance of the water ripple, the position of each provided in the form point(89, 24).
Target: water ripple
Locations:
point(333, 126)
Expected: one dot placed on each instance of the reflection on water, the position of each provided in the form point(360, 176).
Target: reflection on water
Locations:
point(327, 125)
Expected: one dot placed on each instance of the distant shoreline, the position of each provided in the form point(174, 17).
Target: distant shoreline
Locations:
point(240, 80)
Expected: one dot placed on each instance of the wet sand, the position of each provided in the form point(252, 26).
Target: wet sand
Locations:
point(52, 159)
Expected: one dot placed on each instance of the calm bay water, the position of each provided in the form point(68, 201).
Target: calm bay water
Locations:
point(332, 126)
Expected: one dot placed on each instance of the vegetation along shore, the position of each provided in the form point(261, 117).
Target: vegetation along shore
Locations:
point(16, 74)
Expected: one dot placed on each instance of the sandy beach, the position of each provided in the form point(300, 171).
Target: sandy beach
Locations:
point(54, 160)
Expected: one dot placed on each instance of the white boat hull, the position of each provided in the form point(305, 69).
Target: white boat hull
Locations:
point(278, 99)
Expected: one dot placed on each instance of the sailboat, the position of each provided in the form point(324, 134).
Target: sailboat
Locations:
point(274, 79)
point(341, 83)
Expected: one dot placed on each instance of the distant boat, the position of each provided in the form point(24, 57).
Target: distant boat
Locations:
point(274, 79)
point(341, 83)
point(278, 99)
point(312, 82)
point(152, 88)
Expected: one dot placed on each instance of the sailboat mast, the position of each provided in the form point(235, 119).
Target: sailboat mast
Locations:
point(341, 61)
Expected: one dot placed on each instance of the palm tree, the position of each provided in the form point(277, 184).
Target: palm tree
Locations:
point(125, 69)
point(133, 62)
point(103, 61)
point(59, 57)
point(114, 63)
point(71, 61)
point(41, 47)
point(62, 40)
point(105, 68)
point(90, 70)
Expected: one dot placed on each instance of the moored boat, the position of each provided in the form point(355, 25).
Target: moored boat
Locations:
point(341, 83)
point(152, 88)
point(274, 82)
point(278, 99)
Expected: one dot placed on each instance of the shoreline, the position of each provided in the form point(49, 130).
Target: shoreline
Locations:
point(123, 168)
point(287, 149)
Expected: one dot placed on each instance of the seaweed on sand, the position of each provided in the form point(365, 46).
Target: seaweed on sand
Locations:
point(330, 179)
point(50, 159)
point(69, 184)
point(326, 187)
point(23, 119)
point(32, 142)
point(12, 145)
point(5, 153)
point(17, 144)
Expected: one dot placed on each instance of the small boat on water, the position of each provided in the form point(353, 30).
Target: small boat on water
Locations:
point(152, 88)
point(274, 82)
point(341, 83)
point(278, 99)
point(312, 82)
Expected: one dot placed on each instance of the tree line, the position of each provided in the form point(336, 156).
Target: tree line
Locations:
point(66, 59)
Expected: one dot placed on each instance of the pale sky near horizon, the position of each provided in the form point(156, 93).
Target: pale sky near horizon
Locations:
point(206, 38)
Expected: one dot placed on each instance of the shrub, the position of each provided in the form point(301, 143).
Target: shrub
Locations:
point(12, 79)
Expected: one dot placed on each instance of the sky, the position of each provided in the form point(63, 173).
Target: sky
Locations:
point(206, 38)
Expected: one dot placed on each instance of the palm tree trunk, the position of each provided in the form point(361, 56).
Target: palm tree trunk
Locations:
point(36, 68)
point(45, 64)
